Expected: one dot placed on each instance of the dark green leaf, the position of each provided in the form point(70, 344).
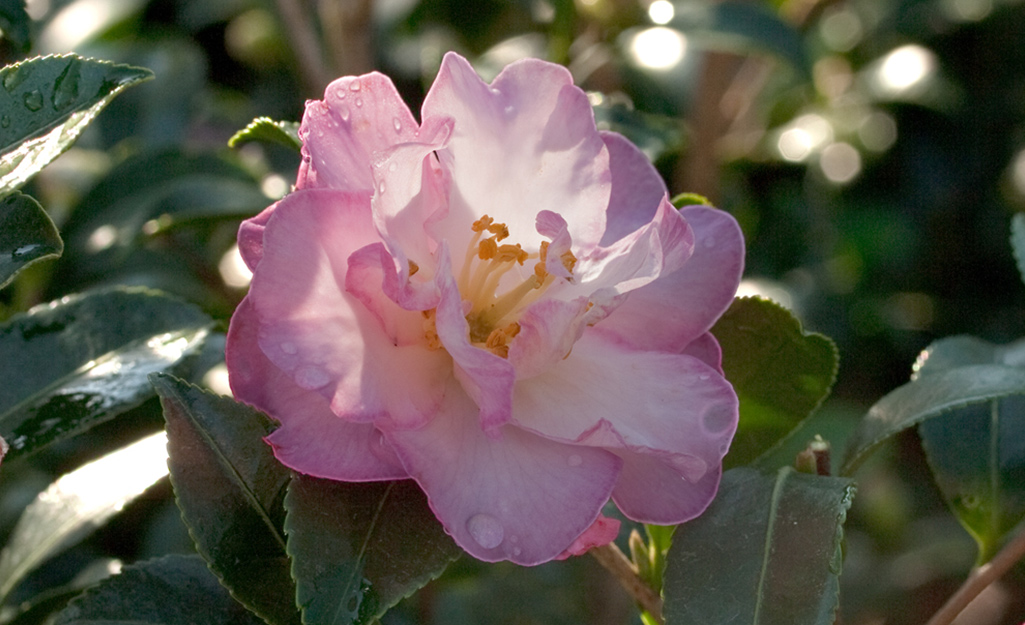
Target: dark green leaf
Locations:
point(44, 105)
point(174, 590)
point(84, 359)
point(15, 23)
point(1018, 242)
point(977, 453)
point(735, 25)
point(27, 234)
point(230, 489)
point(780, 372)
point(266, 130)
point(927, 397)
point(357, 549)
point(78, 503)
point(655, 135)
point(767, 551)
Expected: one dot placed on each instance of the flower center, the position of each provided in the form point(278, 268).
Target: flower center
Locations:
point(492, 318)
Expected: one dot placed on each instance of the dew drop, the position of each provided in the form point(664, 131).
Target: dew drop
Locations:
point(289, 348)
point(392, 166)
point(33, 101)
point(717, 419)
point(14, 76)
point(380, 188)
point(343, 112)
point(709, 242)
point(396, 124)
point(704, 376)
point(574, 460)
point(516, 551)
point(691, 467)
point(310, 377)
point(486, 530)
point(24, 250)
point(65, 88)
point(359, 101)
point(355, 86)
point(5, 122)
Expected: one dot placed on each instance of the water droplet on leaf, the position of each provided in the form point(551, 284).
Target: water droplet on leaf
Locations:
point(65, 88)
point(5, 121)
point(486, 530)
point(33, 101)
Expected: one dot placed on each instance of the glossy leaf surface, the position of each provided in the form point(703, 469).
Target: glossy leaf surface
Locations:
point(267, 130)
point(928, 397)
point(46, 102)
point(230, 488)
point(15, 23)
point(358, 548)
point(766, 552)
point(173, 590)
point(977, 453)
point(27, 235)
point(78, 503)
point(1018, 242)
point(773, 399)
point(84, 359)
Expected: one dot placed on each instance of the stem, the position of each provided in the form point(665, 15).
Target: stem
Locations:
point(617, 563)
point(979, 579)
point(305, 44)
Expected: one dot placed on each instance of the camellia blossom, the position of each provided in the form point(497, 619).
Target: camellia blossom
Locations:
point(498, 302)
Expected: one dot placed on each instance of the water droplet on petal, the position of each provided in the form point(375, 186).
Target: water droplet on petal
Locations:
point(396, 124)
point(691, 467)
point(392, 166)
point(575, 460)
point(516, 551)
point(709, 242)
point(717, 419)
point(343, 111)
point(310, 377)
point(380, 188)
point(704, 376)
point(486, 530)
point(289, 347)
point(359, 101)
point(355, 86)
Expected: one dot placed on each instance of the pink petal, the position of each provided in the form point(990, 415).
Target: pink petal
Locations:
point(706, 349)
point(526, 142)
point(384, 287)
point(650, 490)
point(603, 531)
point(679, 307)
point(519, 497)
point(548, 330)
point(311, 438)
point(312, 329)
point(359, 117)
point(250, 237)
point(605, 394)
point(637, 188)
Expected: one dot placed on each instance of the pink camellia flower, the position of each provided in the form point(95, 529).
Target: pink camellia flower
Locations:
point(498, 302)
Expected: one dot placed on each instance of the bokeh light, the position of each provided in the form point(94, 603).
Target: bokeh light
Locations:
point(658, 48)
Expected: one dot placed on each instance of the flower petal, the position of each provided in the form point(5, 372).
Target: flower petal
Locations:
point(524, 143)
point(359, 117)
point(674, 310)
point(322, 336)
point(605, 394)
point(637, 188)
point(250, 237)
point(650, 490)
point(311, 438)
point(519, 497)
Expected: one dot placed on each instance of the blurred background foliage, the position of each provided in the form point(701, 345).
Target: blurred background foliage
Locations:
point(872, 150)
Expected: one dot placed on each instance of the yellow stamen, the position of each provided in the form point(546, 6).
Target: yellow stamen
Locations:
point(431, 329)
point(413, 268)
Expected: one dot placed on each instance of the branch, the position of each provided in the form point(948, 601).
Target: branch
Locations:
point(979, 579)
point(613, 559)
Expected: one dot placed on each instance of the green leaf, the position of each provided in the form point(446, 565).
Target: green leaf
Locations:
point(230, 489)
point(15, 24)
point(173, 590)
point(977, 453)
point(928, 397)
point(27, 234)
point(77, 504)
point(357, 549)
point(739, 26)
point(780, 372)
point(767, 551)
point(266, 130)
point(82, 360)
point(690, 199)
point(46, 102)
point(1018, 241)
